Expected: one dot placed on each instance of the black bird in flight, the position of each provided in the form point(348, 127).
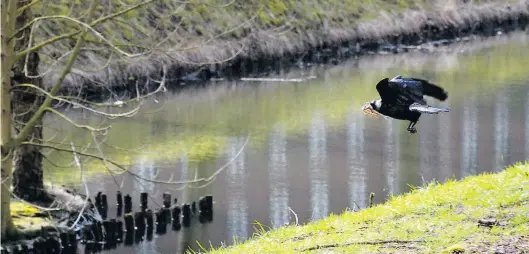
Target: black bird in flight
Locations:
point(402, 98)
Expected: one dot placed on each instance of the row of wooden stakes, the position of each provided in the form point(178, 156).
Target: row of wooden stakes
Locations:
point(133, 228)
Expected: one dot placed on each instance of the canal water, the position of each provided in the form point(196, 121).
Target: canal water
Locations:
point(270, 149)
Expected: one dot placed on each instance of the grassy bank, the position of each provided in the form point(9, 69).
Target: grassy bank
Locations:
point(479, 214)
point(253, 33)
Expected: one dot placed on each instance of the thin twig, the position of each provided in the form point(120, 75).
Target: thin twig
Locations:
point(335, 245)
point(295, 215)
point(77, 161)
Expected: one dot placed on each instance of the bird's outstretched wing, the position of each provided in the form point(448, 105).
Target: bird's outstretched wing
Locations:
point(421, 108)
point(432, 90)
point(413, 89)
point(398, 91)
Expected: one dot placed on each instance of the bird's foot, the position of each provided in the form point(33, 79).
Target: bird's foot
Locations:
point(412, 130)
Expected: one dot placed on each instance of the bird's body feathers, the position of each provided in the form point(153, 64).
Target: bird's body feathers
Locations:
point(403, 99)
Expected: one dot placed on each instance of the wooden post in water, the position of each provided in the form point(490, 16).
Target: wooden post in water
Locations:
point(98, 231)
point(150, 224)
point(176, 218)
point(64, 241)
point(104, 202)
point(119, 231)
point(205, 205)
point(39, 245)
point(160, 224)
point(119, 204)
point(128, 204)
point(119, 199)
point(129, 235)
point(166, 207)
point(24, 248)
point(139, 221)
point(110, 233)
point(143, 201)
point(194, 207)
point(98, 199)
point(186, 218)
point(103, 209)
point(53, 245)
point(129, 223)
point(167, 200)
point(72, 239)
point(87, 233)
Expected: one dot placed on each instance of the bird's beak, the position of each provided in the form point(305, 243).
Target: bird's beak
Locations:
point(368, 109)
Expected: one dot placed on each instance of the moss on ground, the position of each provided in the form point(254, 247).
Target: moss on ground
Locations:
point(28, 219)
point(477, 214)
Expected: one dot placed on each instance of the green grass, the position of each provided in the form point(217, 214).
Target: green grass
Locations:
point(443, 218)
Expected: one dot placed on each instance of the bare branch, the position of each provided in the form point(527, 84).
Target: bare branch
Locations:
point(125, 170)
point(25, 131)
point(76, 158)
point(82, 126)
point(71, 34)
point(23, 8)
point(104, 159)
point(109, 115)
point(85, 25)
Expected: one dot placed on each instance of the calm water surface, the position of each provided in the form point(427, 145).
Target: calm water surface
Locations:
point(307, 146)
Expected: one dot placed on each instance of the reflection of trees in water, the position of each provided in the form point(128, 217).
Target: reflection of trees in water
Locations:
point(184, 237)
point(318, 167)
point(426, 147)
point(357, 160)
point(469, 137)
point(526, 124)
point(391, 160)
point(184, 170)
point(501, 129)
point(236, 179)
point(146, 169)
point(445, 148)
point(277, 178)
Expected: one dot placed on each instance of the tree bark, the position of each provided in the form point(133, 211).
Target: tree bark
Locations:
point(28, 177)
point(6, 54)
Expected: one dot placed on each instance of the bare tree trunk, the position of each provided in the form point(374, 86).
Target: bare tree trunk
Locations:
point(7, 29)
point(28, 178)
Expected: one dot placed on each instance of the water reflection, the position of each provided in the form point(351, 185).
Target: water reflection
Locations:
point(391, 160)
point(526, 124)
point(310, 143)
point(444, 132)
point(236, 176)
point(318, 169)
point(428, 146)
point(469, 137)
point(357, 161)
point(501, 129)
point(145, 168)
point(277, 178)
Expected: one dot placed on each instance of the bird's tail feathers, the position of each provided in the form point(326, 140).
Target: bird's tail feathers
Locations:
point(435, 91)
point(428, 109)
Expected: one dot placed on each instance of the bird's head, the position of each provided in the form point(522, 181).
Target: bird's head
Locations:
point(372, 107)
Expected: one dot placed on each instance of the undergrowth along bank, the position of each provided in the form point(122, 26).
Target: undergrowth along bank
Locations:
point(478, 214)
point(258, 34)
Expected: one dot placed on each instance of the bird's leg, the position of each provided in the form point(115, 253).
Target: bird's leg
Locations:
point(411, 127)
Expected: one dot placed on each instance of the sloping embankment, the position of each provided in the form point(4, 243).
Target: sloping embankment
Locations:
point(238, 37)
point(487, 213)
